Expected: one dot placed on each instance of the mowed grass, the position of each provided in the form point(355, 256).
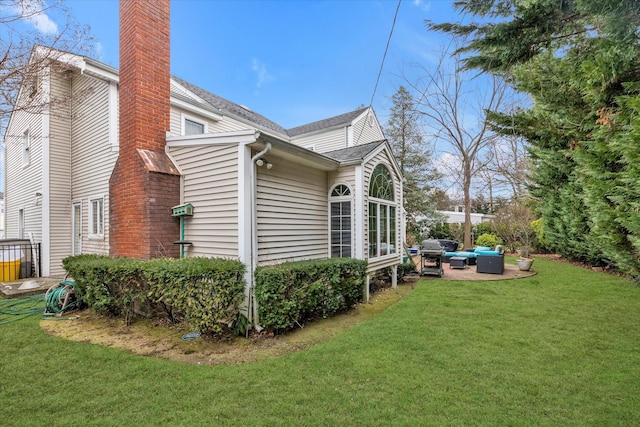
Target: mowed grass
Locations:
point(559, 348)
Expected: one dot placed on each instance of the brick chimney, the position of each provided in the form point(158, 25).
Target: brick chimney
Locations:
point(145, 184)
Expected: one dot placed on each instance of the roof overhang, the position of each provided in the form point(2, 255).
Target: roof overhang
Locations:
point(234, 137)
point(297, 154)
point(188, 105)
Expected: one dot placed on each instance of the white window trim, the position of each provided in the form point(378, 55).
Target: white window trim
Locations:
point(113, 117)
point(348, 198)
point(379, 203)
point(26, 149)
point(75, 250)
point(91, 235)
point(184, 117)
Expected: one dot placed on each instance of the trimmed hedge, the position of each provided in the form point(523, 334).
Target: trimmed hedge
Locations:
point(206, 291)
point(292, 293)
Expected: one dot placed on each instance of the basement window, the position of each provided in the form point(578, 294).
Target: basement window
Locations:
point(96, 217)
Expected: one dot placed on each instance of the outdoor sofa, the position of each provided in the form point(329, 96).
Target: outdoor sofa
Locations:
point(470, 255)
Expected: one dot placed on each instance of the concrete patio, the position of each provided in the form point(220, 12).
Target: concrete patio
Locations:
point(511, 271)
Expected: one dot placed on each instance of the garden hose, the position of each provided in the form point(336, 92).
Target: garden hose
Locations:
point(61, 298)
point(12, 310)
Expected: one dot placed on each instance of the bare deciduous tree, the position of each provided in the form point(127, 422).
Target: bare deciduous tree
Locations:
point(455, 106)
point(508, 163)
point(33, 35)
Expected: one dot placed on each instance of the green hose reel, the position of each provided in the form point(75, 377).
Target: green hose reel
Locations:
point(61, 298)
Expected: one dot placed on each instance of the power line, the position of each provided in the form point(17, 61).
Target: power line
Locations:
point(386, 49)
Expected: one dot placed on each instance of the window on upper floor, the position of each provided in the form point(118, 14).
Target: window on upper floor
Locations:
point(382, 213)
point(192, 126)
point(96, 217)
point(26, 148)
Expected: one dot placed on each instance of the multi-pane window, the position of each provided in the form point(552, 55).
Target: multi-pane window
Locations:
point(96, 217)
point(340, 222)
point(382, 213)
point(191, 127)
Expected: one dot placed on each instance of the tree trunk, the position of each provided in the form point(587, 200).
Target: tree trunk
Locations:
point(466, 184)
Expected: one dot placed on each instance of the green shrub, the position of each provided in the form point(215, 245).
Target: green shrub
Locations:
point(441, 231)
point(406, 269)
point(205, 291)
point(111, 286)
point(490, 240)
point(292, 293)
point(482, 228)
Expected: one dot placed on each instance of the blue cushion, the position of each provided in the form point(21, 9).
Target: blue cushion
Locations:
point(482, 248)
point(490, 253)
point(461, 254)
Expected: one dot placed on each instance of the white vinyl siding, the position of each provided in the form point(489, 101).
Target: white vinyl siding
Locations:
point(366, 130)
point(92, 156)
point(345, 175)
point(23, 183)
point(292, 213)
point(59, 191)
point(210, 174)
point(324, 142)
point(26, 157)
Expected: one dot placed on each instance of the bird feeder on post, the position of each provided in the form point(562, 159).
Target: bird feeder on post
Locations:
point(182, 211)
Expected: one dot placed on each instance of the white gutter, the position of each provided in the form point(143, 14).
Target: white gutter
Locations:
point(253, 308)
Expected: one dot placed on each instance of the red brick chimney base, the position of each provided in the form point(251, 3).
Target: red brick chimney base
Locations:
point(141, 223)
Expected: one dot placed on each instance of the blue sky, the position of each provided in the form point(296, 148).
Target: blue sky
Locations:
point(294, 62)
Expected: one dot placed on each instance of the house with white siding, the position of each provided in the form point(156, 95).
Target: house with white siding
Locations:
point(260, 193)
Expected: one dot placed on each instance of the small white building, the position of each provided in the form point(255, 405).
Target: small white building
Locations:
point(457, 217)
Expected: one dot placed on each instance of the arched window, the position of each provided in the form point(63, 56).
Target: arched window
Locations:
point(340, 221)
point(381, 186)
point(382, 213)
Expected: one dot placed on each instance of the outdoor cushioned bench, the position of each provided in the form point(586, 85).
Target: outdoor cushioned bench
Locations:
point(491, 262)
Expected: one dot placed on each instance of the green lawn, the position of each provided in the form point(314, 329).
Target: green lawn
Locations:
point(560, 348)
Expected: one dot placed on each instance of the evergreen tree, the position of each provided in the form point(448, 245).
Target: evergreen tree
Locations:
point(414, 157)
point(580, 63)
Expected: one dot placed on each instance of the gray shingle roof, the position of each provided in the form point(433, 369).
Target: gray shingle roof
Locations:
point(342, 119)
point(354, 154)
point(230, 108)
point(227, 107)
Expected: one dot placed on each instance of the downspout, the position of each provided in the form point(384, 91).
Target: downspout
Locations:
point(253, 308)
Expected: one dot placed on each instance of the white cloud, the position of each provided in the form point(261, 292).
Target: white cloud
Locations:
point(32, 11)
point(261, 72)
point(425, 6)
point(99, 50)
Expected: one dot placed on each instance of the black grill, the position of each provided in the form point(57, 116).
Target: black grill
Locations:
point(431, 254)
